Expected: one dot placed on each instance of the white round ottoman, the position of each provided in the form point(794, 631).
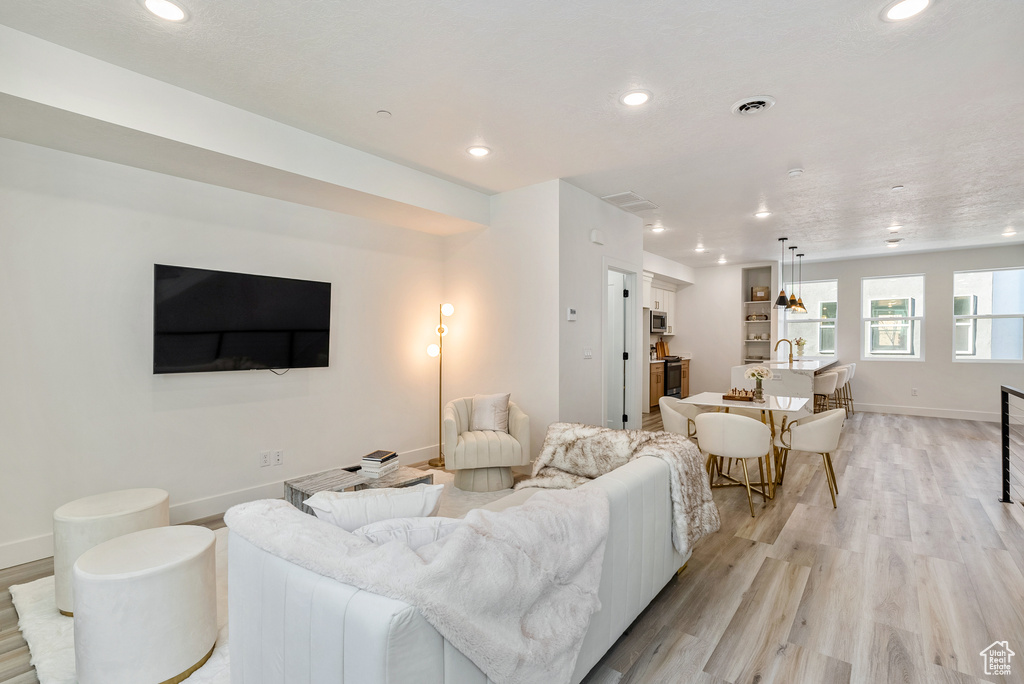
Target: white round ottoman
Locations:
point(84, 523)
point(146, 606)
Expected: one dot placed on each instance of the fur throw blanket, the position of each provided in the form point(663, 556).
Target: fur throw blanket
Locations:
point(513, 590)
point(574, 453)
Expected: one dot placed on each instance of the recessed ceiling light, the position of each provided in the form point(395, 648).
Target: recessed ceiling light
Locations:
point(635, 98)
point(893, 242)
point(763, 214)
point(721, 259)
point(903, 9)
point(699, 249)
point(479, 151)
point(793, 173)
point(894, 229)
point(165, 9)
point(658, 229)
point(1009, 232)
point(383, 113)
point(897, 188)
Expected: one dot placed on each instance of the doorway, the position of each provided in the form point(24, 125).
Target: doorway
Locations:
point(621, 330)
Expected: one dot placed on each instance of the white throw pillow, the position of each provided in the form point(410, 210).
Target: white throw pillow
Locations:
point(490, 412)
point(414, 532)
point(352, 510)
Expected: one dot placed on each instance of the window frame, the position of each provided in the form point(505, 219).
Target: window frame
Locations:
point(974, 318)
point(834, 321)
point(914, 322)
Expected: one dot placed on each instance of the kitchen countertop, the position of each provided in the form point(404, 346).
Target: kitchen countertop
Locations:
point(801, 364)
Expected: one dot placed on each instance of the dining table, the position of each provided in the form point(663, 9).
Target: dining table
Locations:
point(768, 408)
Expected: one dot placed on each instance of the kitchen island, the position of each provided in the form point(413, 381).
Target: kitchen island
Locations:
point(791, 379)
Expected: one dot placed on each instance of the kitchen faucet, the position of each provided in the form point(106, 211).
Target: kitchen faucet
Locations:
point(790, 348)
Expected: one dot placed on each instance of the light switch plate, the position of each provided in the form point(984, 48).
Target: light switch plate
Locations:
point(588, 353)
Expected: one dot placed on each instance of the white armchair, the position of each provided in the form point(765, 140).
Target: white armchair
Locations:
point(483, 460)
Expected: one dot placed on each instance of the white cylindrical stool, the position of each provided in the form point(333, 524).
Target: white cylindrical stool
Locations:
point(146, 606)
point(82, 524)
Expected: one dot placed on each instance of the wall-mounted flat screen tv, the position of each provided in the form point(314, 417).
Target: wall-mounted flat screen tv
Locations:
point(218, 321)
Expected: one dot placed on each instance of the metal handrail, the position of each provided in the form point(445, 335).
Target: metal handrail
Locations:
point(1004, 394)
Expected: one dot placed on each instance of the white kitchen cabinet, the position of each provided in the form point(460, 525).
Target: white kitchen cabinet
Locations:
point(648, 277)
point(659, 298)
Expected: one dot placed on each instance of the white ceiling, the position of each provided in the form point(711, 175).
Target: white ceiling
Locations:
point(934, 103)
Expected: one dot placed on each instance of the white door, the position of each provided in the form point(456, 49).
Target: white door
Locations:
point(615, 363)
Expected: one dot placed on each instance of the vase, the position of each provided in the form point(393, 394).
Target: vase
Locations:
point(758, 392)
point(799, 350)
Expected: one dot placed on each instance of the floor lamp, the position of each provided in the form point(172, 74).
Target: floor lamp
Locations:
point(438, 351)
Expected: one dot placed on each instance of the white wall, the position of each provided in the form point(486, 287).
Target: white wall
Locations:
point(709, 325)
point(503, 282)
point(80, 409)
point(583, 285)
point(945, 388)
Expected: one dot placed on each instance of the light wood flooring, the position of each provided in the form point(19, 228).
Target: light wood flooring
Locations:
point(917, 571)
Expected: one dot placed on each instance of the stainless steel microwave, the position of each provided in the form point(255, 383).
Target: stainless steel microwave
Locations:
point(659, 320)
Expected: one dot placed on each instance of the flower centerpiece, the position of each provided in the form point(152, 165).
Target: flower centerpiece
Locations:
point(799, 342)
point(759, 374)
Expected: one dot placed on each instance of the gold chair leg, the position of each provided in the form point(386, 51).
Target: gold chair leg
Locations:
point(746, 480)
point(828, 479)
point(760, 471)
point(784, 456)
point(832, 470)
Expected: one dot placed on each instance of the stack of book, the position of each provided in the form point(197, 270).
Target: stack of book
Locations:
point(379, 463)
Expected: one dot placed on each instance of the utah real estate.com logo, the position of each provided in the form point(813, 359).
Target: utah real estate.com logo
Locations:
point(997, 658)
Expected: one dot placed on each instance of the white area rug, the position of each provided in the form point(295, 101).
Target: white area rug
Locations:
point(51, 636)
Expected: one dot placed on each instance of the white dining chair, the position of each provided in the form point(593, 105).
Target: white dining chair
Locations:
point(824, 390)
point(725, 435)
point(677, 417)
point(817, 434)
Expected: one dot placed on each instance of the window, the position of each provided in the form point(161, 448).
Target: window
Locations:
point(893, 317)
point(818, 325)
point(966, 328)
point(988, 315)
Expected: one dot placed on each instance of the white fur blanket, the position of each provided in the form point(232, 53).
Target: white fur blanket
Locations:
point(574, 453)
point(513, 590)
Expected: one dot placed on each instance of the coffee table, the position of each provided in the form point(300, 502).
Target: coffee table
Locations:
point(349, 479)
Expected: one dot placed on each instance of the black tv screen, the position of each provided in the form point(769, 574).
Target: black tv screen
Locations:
point(218, 321)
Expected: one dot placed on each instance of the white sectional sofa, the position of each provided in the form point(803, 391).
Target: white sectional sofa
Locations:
point(290, 625)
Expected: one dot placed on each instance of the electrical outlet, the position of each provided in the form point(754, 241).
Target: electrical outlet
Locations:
point(279, 457)
point(264, 459)
point(913, 391)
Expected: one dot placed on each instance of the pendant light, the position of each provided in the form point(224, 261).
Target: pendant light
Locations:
point(782, 302)
point(791, 304)
point(800, 308)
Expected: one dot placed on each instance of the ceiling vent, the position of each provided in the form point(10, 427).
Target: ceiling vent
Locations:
point(753, 105)
point(630, 201)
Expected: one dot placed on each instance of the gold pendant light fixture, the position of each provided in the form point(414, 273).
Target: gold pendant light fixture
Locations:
point(791, 305)
point(800, 308)
point(782, 302)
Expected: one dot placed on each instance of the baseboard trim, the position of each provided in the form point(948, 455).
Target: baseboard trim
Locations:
point(35, 548)
point(953, 414)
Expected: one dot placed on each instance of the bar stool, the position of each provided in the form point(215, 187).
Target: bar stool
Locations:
point(843, 372)
point(817, 434)
point(824, 388)
point(848, 388)
point(724, 435)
